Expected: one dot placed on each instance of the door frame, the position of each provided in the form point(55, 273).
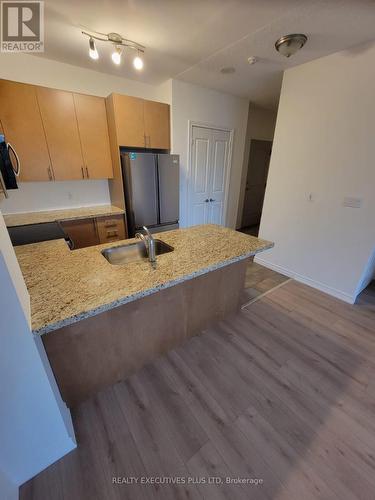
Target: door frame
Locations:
point(191, 124)
point(252, 141)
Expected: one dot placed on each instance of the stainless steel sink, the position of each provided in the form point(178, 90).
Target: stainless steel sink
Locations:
point(124, 254)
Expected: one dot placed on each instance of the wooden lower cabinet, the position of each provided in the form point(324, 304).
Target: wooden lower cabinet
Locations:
point(82, 232)
point(110, 228)
point(95, 230)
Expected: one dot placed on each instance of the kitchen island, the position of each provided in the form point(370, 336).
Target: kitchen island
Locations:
point(101, 322)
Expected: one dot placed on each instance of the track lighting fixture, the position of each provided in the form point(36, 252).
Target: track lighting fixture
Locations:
point(119, 43)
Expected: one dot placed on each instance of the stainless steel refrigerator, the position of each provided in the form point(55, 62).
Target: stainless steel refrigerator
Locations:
point(151, 188)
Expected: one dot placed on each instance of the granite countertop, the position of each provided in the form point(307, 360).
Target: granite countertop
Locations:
point(66, 286)
point(21, 219)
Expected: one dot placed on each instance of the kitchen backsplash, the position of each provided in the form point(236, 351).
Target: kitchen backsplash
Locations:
point(36, 196)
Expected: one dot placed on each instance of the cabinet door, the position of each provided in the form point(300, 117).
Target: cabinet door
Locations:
point(60, 125)
point(93, 132)
point(129, 120)
point(23, 128)
point(82, 232)
point(157, 129)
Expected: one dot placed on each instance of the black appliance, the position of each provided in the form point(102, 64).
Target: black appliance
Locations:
point(34, 233)
point(9, 165)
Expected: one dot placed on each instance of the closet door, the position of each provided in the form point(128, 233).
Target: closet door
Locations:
point(208, 176)
point(199, 188)
point(22, 125)
point(93, 132)
point(61, 129)
point(219, 143)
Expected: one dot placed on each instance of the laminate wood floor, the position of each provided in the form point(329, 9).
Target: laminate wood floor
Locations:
point(283, 392)
point(260, 279)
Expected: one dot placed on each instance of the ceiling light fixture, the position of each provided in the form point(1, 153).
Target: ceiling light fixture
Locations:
point(120, 44)
point(93, 53)
point(116, 54)
point(290, 44)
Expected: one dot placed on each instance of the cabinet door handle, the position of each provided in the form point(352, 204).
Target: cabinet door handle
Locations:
point(87, 172)
point(49, 172)
point(206, 200)
point(212, 199)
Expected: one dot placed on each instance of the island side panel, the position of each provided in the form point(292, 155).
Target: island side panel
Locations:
point(99, 351)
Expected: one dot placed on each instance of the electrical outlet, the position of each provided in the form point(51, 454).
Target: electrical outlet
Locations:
point(352, 202)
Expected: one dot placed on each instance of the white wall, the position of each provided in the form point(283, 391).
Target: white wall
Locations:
point(324, 144)
point(8, 490)
point(40, 71)
point(260, 125)
point(191, 102)
point(37, 196)
point(7, 251)
point(35, 425)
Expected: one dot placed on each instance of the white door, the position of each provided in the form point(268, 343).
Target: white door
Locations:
point(208, 175)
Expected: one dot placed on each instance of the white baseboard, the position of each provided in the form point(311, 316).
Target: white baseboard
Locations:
point(307, 281)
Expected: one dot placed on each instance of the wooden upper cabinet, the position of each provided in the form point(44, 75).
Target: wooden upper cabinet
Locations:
point(156, 122)
point(140, 123)
point(23, 128)
point(60, 125)
point(128, 113)
point(93, 132)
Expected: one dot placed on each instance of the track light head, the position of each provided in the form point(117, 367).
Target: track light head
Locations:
point(138, 62)
point(116, 54)
point(93, 53)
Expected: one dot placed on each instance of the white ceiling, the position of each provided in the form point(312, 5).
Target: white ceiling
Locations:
point(193, 39)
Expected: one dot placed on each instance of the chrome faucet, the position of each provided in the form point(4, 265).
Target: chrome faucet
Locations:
point(149, 242)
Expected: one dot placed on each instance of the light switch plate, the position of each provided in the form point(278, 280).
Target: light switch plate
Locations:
point(352, 202)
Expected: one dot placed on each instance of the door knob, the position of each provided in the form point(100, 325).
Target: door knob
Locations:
point(211, 199)
point(206, 200)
